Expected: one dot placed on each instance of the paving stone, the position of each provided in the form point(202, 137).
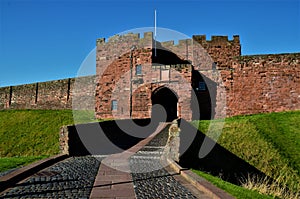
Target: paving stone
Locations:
point(157, 183)
point(70, 178)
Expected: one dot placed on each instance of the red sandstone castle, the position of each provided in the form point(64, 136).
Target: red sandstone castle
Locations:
point(194, 79)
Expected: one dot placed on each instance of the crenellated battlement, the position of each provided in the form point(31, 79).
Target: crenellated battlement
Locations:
point(136, 37)
point(202, 39)
point(147, 36)
point(216, 39)
point(220, 48)
point(181, 42)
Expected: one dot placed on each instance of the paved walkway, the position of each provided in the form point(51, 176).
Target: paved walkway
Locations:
point(114, 177)
point(138, 173)
point(135, 173)
point(71, 178)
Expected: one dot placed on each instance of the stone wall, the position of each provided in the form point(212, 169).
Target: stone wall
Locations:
point(97, 135)
point(235, 84)
point(116, 56)
point(117, 73)
point(221, 50)
point(57, 94)
point(117, 79)
point(178, 79)
point(263, 83)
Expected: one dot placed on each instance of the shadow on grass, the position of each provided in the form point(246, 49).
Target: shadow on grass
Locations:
point(219, 161)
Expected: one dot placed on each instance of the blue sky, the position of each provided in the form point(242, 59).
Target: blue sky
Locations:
point(48, 40)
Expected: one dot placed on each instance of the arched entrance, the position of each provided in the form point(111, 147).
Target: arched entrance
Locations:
point(168, 100)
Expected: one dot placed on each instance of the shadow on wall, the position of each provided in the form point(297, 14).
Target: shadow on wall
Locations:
point(107, 137)
point(219, 162)
point(205, 91)
point(164, 56)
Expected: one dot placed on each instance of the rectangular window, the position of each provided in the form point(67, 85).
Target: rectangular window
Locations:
point(165, 75)
point(201, 86)
point(114, 105)
point(214, 65)
point(138, 70)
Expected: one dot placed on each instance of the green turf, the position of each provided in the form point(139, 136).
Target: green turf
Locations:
point(270, 142)
point(283, 131)
point(234, 190)
point(7, 163)
point(31, 132)
point(29, 135)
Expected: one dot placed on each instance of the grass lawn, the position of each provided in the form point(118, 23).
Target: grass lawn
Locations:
point(7, 163)
point(270, 142)
point(236, 191)
point(30, 135)
point(31, 132)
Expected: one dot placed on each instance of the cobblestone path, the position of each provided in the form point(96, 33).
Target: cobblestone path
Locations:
point(71, 178)
point(157, 183)
point(154, 184)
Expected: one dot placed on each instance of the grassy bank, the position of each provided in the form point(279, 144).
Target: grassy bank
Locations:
point(31, 132)
point(270, 142)
point(234, 190)
point(7, 163)
point(30, 135)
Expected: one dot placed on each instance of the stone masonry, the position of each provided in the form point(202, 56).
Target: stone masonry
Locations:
point(57, 94)
point(208, 74)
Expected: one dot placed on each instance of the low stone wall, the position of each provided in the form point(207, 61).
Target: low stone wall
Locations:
point(103, 138)
point(57, 94)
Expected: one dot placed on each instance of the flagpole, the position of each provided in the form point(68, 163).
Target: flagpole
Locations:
point(155, 32)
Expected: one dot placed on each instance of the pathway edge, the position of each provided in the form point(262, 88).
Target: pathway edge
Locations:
point(199, 182)
point(19, 174)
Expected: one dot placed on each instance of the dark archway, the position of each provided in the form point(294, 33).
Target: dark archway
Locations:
point(166, 98)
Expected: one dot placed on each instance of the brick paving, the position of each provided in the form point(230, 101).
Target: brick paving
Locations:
point(112, 183)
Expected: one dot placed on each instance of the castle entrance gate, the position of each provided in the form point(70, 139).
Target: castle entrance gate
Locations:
point(167, 99)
